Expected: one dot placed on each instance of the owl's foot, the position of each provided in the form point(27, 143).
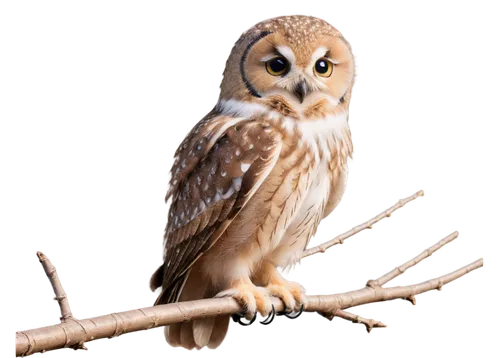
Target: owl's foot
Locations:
point(291, 293)
point(253, 299)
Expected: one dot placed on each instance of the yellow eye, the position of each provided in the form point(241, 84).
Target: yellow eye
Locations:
point(323, 67)
point(277, 66)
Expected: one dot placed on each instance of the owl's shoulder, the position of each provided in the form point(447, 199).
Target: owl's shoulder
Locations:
point(245, 133)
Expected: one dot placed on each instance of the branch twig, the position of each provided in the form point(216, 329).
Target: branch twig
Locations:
point(72, 333)
point(369, 323)
point(401, 269)
point(61, 297)
point(367, 225)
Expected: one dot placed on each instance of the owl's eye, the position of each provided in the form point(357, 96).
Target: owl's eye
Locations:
point(323, 67)
point(277, 66)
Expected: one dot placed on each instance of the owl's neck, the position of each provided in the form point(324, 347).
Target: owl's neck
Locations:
point(314, 107)
point(321, 123)
point(317, 111)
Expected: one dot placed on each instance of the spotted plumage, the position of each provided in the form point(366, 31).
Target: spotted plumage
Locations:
point(253, 179)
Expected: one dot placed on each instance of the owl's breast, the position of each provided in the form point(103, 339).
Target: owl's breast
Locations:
point(327, 145)
point(306, 218)
point(315, 197)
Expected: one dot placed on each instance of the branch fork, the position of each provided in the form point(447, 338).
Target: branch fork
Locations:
point(61, 297)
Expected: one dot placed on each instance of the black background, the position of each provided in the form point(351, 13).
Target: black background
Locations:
point(99, 93)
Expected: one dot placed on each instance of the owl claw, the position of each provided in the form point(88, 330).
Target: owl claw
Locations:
point(238, 318)
point(270, 317)
point(292, 315)
point(268, 320)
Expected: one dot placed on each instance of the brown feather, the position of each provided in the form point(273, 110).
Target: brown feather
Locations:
point(173, 334)
point(280, 105)
point(219, 331)
point(228, 175)
point(202, 330)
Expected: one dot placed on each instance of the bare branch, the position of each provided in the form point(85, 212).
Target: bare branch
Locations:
point(401, 269)
point(367, 225)
point(369, 323)
point(61, 297)
point(73, 332)
point(330, 303)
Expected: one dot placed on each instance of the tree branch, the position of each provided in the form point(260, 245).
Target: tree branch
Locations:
point(401, 269)
point(367, 225)
point(369, 323)
point(73, 333)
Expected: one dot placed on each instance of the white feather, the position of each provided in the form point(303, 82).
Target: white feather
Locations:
point(287, 53)
point(319, 132)
point(317, 54)
point(233, 107)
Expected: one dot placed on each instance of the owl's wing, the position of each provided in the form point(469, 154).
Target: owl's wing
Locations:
point(210, 188)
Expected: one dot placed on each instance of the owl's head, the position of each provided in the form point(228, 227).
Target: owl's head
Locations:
point(299, 60)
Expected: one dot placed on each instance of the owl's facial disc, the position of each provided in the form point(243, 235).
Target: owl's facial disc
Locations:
point(301, 74)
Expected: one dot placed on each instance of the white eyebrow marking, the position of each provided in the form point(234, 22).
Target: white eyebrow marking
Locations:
point(283, 50)
point(321, 52)
point(287, 53)
point(267, 58)
point(318, 53)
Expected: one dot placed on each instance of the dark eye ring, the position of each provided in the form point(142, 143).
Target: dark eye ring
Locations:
point(277, 66)
point(323, 67)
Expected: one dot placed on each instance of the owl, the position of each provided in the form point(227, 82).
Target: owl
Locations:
point(253, 179)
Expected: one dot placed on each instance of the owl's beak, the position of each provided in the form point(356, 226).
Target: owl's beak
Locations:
point(301, 90)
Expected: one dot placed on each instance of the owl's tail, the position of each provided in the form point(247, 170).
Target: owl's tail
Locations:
point(207, 332)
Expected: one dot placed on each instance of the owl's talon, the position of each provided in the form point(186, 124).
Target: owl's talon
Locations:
point(244, 312)
point(292, 315)
point(237, 317)
point(270, 317)
point(240, 321)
